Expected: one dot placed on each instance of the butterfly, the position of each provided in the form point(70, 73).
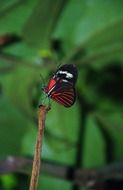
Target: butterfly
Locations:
point(61, 87)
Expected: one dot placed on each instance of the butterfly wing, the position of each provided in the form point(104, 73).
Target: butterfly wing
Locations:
point(67, 72)
point(61, 86)
point(64, 93)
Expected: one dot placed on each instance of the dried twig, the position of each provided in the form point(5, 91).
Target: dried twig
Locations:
point(36, 162)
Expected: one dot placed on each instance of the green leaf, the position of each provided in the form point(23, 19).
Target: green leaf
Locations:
point(47, 182)
point(13, 126)
point(112, 122)
point(94, 149)
point(91, 26)
point(8, 181)
point(14, 15)
point(38, 30)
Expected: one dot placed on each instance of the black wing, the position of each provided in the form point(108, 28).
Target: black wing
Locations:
point(67, 72)
point(64, 93)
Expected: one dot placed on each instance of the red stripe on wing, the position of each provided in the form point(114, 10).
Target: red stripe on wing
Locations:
point(66, 98)
point(63, 93)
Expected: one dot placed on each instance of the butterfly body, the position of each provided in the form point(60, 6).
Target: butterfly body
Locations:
point(61, 86)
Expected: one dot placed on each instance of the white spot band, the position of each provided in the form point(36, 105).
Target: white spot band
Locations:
point(68, 75)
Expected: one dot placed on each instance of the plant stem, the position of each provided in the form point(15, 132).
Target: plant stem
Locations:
point(37, 155)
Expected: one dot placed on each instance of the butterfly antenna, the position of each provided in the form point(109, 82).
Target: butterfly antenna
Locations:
point(59, 65)
point(42, 82)
point(42, 79)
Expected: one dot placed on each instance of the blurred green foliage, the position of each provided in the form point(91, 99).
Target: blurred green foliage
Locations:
point(88, 33)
